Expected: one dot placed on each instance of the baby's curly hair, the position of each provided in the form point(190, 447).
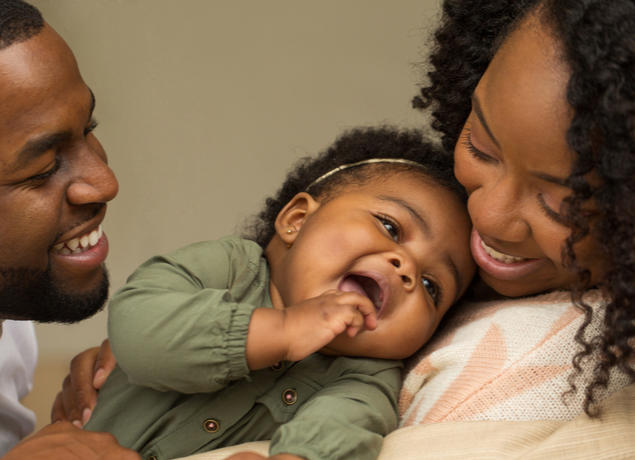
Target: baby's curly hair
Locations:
point(599, 47)
point(356, 145)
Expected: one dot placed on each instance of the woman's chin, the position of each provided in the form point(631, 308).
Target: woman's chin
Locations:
point(519, 287)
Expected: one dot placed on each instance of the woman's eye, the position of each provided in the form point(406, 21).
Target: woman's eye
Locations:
point(391, 227)
point(476, 153)
point(432, 288)
point(550, 213)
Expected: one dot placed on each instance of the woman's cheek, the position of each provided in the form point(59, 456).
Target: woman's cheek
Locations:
point(466, 170)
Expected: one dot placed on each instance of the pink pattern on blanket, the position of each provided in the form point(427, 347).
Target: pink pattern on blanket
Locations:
point(504, 360)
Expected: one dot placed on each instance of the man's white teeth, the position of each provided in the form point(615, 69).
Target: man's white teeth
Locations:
point(79, 244)
point(505, 258)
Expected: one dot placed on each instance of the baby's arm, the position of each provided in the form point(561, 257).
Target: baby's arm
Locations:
point(176, 324)
point(293, 333)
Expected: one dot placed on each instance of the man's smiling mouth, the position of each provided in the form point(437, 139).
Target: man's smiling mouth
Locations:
point(366, 286)
point(80, 243)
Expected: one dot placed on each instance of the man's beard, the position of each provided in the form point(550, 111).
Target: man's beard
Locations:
point(32, 295)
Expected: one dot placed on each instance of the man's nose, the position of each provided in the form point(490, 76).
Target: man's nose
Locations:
point(92, 179)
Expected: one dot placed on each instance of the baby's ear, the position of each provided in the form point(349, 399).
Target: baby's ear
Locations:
point(294, 214)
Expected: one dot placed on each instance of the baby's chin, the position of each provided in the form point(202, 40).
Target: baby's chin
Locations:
point(347, 346)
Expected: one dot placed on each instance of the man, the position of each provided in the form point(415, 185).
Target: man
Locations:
point(54, 186)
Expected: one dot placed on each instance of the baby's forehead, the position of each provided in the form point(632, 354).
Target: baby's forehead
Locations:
point(395, 177)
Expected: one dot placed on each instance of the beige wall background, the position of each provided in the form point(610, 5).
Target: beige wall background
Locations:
point(204, 105)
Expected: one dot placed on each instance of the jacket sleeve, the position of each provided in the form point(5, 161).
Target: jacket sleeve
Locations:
point(346, 419)
point(175, 324)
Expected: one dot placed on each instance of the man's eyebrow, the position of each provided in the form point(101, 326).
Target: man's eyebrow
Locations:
point(476, 106)
point(412, 211)
point(37, 147)
point(92, 103)
point(42, 144)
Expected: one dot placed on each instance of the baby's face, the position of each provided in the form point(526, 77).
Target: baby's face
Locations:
point(401, 240)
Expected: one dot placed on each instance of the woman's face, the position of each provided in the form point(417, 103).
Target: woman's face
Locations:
point(513, 159)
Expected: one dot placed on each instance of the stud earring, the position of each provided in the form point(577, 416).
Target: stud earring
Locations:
point(290, 230)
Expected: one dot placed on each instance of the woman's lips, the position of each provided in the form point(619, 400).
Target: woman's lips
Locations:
point(504, 267)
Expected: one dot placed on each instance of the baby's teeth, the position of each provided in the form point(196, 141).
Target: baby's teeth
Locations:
point(83, 241)
point(100, 232)
point(93, 238)
point(58, 246)
point(73, 244)
point(66, 251)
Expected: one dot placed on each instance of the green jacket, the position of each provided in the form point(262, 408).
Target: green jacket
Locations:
point(178, 329)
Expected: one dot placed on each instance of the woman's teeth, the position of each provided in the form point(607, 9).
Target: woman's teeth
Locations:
point(79, 244)
point(505, 258)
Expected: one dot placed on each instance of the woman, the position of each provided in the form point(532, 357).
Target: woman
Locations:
point(537, 100)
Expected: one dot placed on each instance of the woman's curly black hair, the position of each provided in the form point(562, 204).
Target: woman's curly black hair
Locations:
point(598, 40)
point(356, 145)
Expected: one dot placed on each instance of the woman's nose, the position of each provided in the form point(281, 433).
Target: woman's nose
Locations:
point(93, 181)
point(496, 210)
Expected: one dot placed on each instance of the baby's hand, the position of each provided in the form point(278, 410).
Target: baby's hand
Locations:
point(314, 323)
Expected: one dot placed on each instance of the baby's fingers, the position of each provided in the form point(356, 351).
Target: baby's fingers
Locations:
point(368, 312)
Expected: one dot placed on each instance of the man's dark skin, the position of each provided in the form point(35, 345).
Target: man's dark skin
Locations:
point(54, 186)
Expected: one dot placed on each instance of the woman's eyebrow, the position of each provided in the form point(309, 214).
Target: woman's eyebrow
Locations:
point(476, 106)
point(549, 178)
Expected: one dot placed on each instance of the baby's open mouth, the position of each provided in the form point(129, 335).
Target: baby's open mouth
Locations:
point(364, 285)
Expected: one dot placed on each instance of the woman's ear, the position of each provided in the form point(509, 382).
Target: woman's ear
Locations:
point(294, 214)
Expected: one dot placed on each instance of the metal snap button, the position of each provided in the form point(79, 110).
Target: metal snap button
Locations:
point(211, 426)
point(277, 366)
point(289, 396)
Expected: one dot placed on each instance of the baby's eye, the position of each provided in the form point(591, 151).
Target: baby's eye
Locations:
point(432, 288)
point(391, 227)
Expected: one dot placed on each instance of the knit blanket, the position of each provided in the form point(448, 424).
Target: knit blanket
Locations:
point(502, 360)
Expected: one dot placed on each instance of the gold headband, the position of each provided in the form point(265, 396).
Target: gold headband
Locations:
point(362, 163)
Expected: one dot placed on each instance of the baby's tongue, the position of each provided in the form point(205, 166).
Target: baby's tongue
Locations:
point(349, 284)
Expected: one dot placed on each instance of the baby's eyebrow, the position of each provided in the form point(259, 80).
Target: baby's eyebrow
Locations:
point(423, 224)
point(422, 221)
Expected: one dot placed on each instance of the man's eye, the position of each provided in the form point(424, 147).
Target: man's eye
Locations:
point(45, 175)
point(432, 288)
point(391, 227)
point(91, 127)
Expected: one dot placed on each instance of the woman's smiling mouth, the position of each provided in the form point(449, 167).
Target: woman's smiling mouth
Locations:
point(499, 265)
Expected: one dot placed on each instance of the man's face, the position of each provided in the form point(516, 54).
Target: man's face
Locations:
point(54, 183)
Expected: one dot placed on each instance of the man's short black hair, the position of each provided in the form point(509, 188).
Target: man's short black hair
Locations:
point(19, 21)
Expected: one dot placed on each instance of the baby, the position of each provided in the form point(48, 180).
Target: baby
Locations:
point(294, 335)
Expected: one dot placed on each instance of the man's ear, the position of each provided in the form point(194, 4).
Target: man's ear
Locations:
point(294, 214)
